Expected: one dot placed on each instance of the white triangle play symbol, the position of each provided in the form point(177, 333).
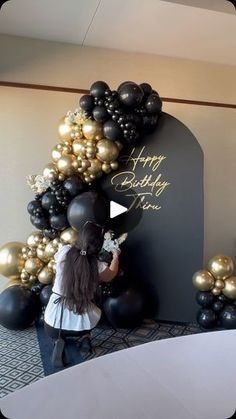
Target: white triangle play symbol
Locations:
point(116, 209)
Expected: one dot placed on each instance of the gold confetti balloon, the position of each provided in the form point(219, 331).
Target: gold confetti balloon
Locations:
point(92, 130)
point(230, 288)
point(221, 266)
point(65, 164)
point(46, 275)
point(11, 260)
point(107, 151)
point(203, 281)
point(35, 238)
point(33, 265)
point(68, 236)
point(50, 172)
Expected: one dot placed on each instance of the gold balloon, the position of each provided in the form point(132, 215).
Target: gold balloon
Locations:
point(64, 130)
point(32, 279)
point(203, 281)
point(46, 240)
point(68, 236)
point(50, 172)
point(51, 264)
point(92, 130)
point(114, 165)
point(41, 254)
point(50, 250)
point(219, 283)
point(11, 259)
point(107, 151)
point(216, 291)
point(35, 238)
point(230, 288)
point(95, 167)
point(65, 164)
point(106, 168)
point(33, 265)
point(56, 153)
point(61, 176)
point(79, 147)
point(45, 276)
point(221, 266)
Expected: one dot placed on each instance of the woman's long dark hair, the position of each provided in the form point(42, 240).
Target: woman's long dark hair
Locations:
point(80, 271)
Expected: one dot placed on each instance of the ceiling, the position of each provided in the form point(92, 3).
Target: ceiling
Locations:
point(193, 29)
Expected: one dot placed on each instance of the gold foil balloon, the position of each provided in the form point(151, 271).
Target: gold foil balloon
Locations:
point(68, 236)
point(92, 130)
point(219, 283)
point(11, 259)
point(230, 288)
point(107, 151)
point(33, 265)
point(65, 164)
point(203, 281)
point(64, 130)
point(56, 153)
point(35, 238)
point(221, 266)
point(45, 276)
point(50, 172)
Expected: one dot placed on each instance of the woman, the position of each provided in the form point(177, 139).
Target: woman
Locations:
point(71, 310)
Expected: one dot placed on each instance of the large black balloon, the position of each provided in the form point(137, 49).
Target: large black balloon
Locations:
point(112, 130)
point(153, 104)
point(45, 294)
point(86, 103)
point(74, 185)
point(228, 317)
point(146, 88)
point(100, 114)
point(98, 89)
point(204, 299)
point(89, 206)
point(49, 200)
point(126, 310)
point(59, 221)
point(33, 206)
point(206, 318)
point(123, 83)
point(18, 308)
point(39, 222)
point(131, 94)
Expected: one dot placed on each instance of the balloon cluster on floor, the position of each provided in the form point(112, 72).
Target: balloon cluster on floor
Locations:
point(91, 139)
point(216, 293)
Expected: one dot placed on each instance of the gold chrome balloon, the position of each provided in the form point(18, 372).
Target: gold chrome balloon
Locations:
point(61, 176)
point(68, 236)
point(56, 153)
point(95, 167)
point(203, 281)
point(79, 147)
point(216, 291)
point(107, 151)
point(50, 250)
point(219, 283)
point(33, 265)
point(35, 238)
point(65, 164)
point(106, 168)
point(50, 172)
point(46, 275)
point(92, 130)
point(41, 254)
point(114, 165)
point(230, 288)
point(64, 130)
point(32, 279)
point(11, 259)
point(221, 266)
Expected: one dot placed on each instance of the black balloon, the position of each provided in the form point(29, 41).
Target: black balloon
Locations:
point(89, 206)
point(39, 222)
point(153, 104)
point(33, 206)
point(146, 88)
point(126, 310)
point(130, 94)
point(86, 103)
point(98, 89)
point(49, 200)
point(206, 318)
point(217, 306)
point(50, 233)
point(123, 83)
point(59, 221)
point(204, 299)
point(74, 185)
point(45, 294)
point(18, 307)
point(36, 288)
point(223, 298)
point(100, 114)
point(112, 130)
point(228, 317)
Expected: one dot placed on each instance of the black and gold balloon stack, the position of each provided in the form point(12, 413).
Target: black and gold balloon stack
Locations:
point(216, 293)
point(91, 139)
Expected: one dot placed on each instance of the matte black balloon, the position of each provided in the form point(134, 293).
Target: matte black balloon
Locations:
point(89, 206)
point(45, 294)
point(131, 94)
point(32, 206)
point(18, 308)
point(217, 306)
point(146, 88)
point(228, 317)
point(49, 200)
point(206, 318)
point(98, 89)
point(126, 310)
point(112, 130)
point(86, 103)
point(74, 185)
point(204, 299)
point(50, 233)
point(100, 114)
point(153, 104)
point(59, 221)
point(39, 222)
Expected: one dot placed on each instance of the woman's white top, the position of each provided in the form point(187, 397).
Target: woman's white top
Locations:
point(71, 320)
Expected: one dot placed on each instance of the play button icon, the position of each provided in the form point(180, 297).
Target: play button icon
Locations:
point(116, 209)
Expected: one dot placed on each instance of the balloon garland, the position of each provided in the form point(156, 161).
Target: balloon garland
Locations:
point(216, 293)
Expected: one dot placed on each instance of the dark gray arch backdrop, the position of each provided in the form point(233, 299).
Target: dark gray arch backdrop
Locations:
point(166, 248)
